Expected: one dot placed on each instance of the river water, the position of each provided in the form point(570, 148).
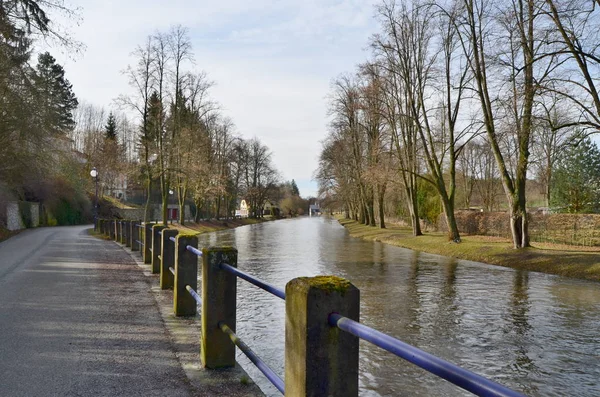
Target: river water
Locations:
point(536, 333)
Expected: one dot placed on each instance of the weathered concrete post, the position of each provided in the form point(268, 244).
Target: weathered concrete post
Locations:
point(167, 258)
point(320, 360)
point(218, 305)
point(186, 273)
point(99, 223)
point(126, 231)
point(135, 235)
point(147, 250)
point(122, 231)
point(117, 230)
point(156, 247)
point(112, 231)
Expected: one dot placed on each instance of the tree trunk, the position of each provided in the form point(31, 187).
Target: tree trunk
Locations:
point(380, 197)
point(453, 234)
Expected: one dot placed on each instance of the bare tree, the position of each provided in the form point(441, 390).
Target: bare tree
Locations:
point(141, 79)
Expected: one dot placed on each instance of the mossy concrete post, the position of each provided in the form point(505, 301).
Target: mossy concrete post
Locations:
point(156, 240)
point(128, 242)
point(112, 229)
point(147, 251)
point(186, 273)
point(124, 232)
point(127, 233)
point(218, 305)
point(167, 258)
point(135, 235)
point(320, 360)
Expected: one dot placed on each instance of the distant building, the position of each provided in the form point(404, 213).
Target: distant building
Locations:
point(314, 209)
point(242, 211)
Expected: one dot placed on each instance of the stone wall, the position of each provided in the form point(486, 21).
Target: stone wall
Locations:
point(16, 211)
point(13, 217)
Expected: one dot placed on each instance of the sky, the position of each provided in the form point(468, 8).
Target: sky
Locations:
point(272, 62)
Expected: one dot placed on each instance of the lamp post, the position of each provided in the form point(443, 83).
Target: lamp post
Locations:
point(94, 174)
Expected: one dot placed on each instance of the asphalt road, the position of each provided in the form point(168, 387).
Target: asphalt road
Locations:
point(78, 318)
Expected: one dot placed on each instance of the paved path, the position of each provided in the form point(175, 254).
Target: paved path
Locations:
point(78, 318)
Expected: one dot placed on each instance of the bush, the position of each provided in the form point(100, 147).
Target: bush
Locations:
point(25, 212)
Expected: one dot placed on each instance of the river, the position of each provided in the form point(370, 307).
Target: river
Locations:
point(535, 333)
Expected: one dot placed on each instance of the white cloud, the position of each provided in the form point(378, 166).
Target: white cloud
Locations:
point(272, 61)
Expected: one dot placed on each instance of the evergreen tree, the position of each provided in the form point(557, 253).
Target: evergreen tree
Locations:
point(576, 179)
point(55, 95)
point(111, 127)
point(295, 191)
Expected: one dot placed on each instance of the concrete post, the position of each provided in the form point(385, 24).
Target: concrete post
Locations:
point(156, 248)
point(320, 360)
point(130, 225)
point(167, 258)
point(125, 238)
point(186, 273)
point(135, 235)
point(147, 252)
point(99, 225)
point(112, 231)
point(218, 305)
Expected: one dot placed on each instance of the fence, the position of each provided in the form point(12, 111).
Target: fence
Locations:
point(322, 327)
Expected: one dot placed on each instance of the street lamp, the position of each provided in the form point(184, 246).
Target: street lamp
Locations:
point(94, 174)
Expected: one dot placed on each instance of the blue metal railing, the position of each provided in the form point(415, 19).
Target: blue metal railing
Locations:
point(456, 375)
point(260, 364)
point(194, 250)
point(193, 293)
point(278, 292)
point(461, 377)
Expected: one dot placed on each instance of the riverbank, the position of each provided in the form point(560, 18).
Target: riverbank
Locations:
point(568, 261)
point(214, 225)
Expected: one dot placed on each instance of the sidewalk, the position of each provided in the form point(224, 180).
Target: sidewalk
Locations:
point(79, 317)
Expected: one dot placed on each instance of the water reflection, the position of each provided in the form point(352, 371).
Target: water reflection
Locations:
point(532, 332)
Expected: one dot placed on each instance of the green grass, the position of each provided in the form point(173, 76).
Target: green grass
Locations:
point(568, 261)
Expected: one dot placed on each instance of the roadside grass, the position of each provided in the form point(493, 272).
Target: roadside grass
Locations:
point(568, 261)
point(5, 234)
point(99, 235)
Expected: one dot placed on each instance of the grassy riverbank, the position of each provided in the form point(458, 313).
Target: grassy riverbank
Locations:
point(569, 261)
point(214, 225)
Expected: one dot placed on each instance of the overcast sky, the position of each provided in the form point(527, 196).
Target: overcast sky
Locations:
point(272, 61)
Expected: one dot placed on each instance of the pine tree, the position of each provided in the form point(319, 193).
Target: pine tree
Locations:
point(55, 94)
point(576, 178)
point(295, 191)
point(111, 127)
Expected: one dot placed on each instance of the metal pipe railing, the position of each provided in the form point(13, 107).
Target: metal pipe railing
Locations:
point(461, 377)
point(260, 364)
point(253, 280)
point(194, 250)
point(193, 293)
